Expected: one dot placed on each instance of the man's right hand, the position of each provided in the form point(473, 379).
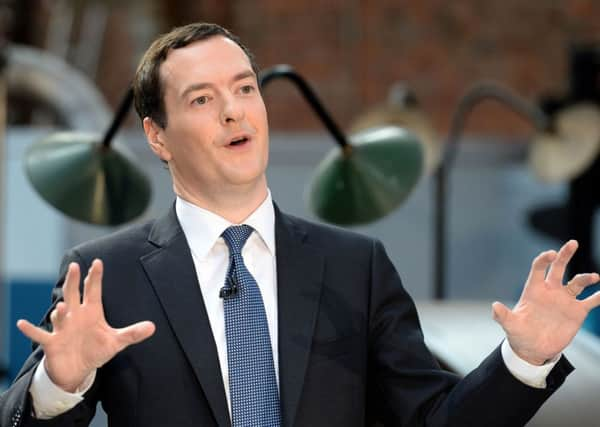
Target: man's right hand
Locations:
point(81, 340)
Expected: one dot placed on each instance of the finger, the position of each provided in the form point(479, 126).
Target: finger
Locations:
point(592, 301)
point(57, 316)
point(71, 286)
point(93, 283)
point(135, 333)
point(501, 313)
point(557, 268)
point(540, 265)
point(55, 321)
point(581, 281)
point(34, 333)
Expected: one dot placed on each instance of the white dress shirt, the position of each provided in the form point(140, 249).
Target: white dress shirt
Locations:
point(203, 231)
point(210, 254)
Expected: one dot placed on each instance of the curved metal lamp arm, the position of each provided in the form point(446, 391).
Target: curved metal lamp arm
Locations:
point(286, 71)
point(473, 96)
point(481, 92)
point(120, 115)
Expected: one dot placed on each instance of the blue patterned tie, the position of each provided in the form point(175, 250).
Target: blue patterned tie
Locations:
point(252, 383)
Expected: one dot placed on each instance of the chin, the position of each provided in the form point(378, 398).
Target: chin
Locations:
point(241, 176)
point(247, 176)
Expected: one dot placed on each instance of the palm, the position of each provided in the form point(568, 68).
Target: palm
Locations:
point(81, 339)
point(547, 316)
point(92, 343)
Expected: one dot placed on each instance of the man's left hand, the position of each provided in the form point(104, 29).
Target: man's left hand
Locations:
point(548, 314)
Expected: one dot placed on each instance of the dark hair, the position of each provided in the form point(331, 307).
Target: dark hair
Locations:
point(147, 88)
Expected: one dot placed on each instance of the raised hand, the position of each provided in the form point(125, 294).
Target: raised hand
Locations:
point(548, 314)
point(81, 340)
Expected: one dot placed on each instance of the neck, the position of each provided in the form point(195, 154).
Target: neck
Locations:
point(233, 204)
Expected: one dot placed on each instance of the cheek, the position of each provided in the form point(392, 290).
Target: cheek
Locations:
point(192, 135)
point(262, 111)
point(256, 109)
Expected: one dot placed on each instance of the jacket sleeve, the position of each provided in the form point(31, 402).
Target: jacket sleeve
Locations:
point(407, 386)
point(15, 403)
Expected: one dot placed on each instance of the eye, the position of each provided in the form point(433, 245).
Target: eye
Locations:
point(201, 100)
point(246, 89)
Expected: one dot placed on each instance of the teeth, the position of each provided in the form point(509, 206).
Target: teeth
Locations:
point(238, 141)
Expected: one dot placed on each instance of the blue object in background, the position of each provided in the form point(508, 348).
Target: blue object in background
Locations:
point(592, 322)
point(27, 300)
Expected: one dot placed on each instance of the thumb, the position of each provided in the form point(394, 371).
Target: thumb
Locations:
point(136, 333)
point(500, 313)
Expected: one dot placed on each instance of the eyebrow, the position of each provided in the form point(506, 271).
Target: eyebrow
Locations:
point(199, 86)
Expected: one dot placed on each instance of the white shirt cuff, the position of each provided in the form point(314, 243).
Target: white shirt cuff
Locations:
point(531, 375)
point(49, 400)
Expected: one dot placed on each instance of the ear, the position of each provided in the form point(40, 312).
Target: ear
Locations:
point(156, 139)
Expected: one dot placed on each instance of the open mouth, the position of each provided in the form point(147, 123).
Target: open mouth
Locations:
point(239, 141)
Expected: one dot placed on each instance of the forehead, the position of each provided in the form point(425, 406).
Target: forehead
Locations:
point(206, 60)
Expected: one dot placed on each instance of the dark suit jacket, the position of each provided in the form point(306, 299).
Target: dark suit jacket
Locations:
point(350, 344)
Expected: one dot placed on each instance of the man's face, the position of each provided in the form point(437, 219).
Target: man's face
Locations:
point(216, 136)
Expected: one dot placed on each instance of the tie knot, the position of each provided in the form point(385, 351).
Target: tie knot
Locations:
point(236, 236)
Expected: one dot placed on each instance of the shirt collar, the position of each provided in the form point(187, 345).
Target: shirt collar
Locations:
point(202, 228)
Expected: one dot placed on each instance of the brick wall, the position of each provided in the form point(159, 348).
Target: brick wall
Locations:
point(353, 50)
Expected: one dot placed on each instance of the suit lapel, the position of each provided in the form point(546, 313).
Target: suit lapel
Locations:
point(299, 280)
point(171, 271)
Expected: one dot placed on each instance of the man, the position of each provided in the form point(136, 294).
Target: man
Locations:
point(319, 313)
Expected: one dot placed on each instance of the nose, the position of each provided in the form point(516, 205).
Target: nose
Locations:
point(232, 110)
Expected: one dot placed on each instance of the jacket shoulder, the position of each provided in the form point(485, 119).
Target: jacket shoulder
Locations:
point(331, 236)
point(129, 241)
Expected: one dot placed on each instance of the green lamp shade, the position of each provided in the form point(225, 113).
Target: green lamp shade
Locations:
point(85, 180)
point(370, 179)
